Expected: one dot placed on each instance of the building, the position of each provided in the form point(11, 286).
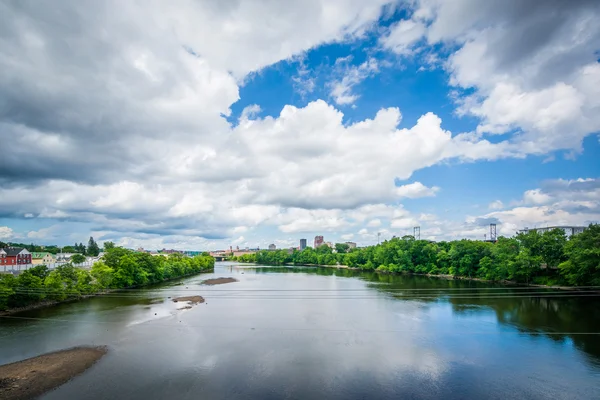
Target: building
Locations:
point(302, 244)
point(351, 245)
point(569, 230)
point(14, 256)
point(64, 257)
point(319, 241)
point(272, 246)
point(42, 258)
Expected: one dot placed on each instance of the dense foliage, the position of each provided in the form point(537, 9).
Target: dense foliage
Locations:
point(92, 249)
point(119, 268)
point(547, 258)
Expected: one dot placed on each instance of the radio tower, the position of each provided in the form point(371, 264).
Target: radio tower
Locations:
point(417, 232)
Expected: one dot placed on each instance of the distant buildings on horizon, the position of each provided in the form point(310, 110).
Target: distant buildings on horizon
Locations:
point(318, 241)
point(569, 230)
point(302, 244)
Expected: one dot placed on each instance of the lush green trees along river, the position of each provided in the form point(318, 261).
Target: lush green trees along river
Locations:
point(119, 268)
point(548, 258)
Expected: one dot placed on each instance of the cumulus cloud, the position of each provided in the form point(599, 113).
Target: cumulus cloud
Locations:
point(6, 232)
point(533, 66)
point(416, 190)
point(128, 115)
point(556, 202)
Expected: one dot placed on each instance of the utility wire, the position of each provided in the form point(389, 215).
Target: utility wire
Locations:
point(340, 297)
point(271, 328)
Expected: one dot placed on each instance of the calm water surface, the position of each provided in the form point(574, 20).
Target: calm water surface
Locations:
point(317, 333)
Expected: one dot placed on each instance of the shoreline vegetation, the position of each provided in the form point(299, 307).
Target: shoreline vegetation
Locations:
point(119, 268)
point(32, 377)
point(438, 276)
point(548, 259)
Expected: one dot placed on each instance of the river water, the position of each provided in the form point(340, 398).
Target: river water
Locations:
point(319, 333)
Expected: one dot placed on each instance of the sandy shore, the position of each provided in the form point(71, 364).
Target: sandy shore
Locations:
point(218, 281)
point(35, 376)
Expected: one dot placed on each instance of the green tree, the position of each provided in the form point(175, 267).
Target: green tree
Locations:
point(108, 246)
point(103, 275)
point(40, 271)
point(582, 266)
point(77, 258)
point(341, 247)
point(552, 247)
point(93, 249)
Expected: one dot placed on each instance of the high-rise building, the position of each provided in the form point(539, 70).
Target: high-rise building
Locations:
point(272, 246)
point(319, 241)
point(302, 244)
point(351, 245)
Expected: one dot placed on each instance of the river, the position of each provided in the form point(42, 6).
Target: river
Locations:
point(321, 333)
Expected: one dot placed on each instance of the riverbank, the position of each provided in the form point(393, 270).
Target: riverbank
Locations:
point(48, 303)
point(51, 303)
point(35, 376)
point(440, 276)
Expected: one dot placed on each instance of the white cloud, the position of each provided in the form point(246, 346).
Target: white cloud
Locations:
point(6, 232)
point(146, 149)
point(533, 67)
point(404, 223)
point(415, 190)
point(536, 196)
point(496, 205)
point(374, 223)
point(341, 90)
point(403, 35)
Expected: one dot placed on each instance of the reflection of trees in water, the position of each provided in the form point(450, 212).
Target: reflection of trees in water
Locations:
point(546, 315)
point(531, 315)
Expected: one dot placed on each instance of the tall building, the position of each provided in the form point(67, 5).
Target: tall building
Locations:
point(351, 245)
point(272, 246)
point(302, 244)
point(319, 241)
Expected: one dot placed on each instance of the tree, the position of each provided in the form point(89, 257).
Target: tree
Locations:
point(103, 274)
point(552, 247)
point(341, 247)
point(583, 258)
point(109, 245)
point(77, 258)
point(93, 249)
point(40, 271)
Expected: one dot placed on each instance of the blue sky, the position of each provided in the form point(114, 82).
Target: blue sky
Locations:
point(248, 123)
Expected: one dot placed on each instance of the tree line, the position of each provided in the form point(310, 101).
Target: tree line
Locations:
point(548, 258)
point(92, 248)
point(119, 268)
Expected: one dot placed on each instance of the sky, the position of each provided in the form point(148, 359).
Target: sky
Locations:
point(207, 124)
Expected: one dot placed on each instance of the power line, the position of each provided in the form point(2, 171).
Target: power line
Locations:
point(368, 289)
point(558, 294)
point(150, 324)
